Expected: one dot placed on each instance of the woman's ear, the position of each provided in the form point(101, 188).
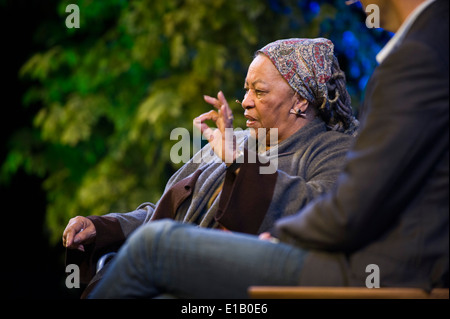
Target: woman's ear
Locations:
point(301, 104)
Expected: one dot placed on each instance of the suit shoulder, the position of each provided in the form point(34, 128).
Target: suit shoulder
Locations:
point(432, 29)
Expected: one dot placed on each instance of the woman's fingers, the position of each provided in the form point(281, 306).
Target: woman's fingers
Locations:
point(213, 101)
point(79, 231)
point(221, 139)
point(225, 110)
point(199, 123)
point(225, 115)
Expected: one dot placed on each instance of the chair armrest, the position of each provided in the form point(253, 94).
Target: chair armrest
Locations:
point(103, 260)
point(278, 292)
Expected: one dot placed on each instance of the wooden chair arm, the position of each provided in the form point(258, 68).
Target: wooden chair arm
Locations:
point(278, 292)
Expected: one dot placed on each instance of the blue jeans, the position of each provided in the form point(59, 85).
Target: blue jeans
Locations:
point(166, 257)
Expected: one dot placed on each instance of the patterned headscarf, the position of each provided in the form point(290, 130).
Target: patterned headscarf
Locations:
point(305, 64)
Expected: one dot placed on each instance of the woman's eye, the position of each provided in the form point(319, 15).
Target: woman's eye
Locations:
point(258, 93)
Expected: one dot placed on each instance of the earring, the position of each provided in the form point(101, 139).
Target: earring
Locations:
point(298, 112)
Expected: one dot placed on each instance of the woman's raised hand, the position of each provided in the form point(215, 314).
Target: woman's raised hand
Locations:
point(221, 139)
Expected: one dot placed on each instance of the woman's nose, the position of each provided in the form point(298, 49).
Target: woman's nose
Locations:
point(247, 102)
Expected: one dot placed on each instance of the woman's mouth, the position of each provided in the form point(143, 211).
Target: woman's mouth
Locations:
point(251, 121)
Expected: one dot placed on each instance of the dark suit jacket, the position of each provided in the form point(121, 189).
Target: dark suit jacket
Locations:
point(391, 206)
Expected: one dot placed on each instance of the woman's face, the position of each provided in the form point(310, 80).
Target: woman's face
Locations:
point(268, 99)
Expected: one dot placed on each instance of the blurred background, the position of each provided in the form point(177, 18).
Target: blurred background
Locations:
point(87, 112)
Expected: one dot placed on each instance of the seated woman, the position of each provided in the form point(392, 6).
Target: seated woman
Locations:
point(293, 87)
